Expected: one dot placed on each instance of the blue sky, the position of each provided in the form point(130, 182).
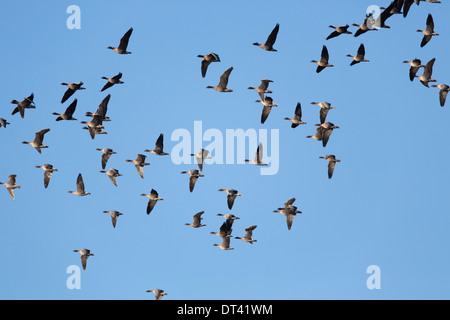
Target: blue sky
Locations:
point(386, 204)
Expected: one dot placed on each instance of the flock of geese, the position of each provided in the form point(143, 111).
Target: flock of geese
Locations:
point(323, 131)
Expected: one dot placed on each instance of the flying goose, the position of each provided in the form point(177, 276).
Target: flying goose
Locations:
point(443, 91)
point(48, 171)
point(153, 197)
point(331, 163)
point(359, 56)
point(101, 110)
point(85, 254)
point(327, 129)
point(200, 157)
point(112, 174)
point(38, 139)
point(68, 114)
point(415, 64)
point(229, 217)
point(194, 175)
point(367, 25)
point(231, 196)
point(139, 163)
point(338, 31)
point(207, 59)
point(80, 187)
point(258, 157)
point(248, 235)
point(106, 154)
point(268, 104)
point(159, 146)
point(11, 185)
point(425, 78)
point(122, 48)
point(112, 81)
point(428, 33)
point(268, 45)
point(26, 103)
point(324, 108)
point(3, 122)
point(225, 229)
point(72, 87)
point(392, 9)
point(223, 82)
point(225, 245)
point(297, 119)
point(197, 220)
point(114, 215)
point(94, 126)
point(323, 63)
point(159, 293)
point(289, 211)
point(262, 88)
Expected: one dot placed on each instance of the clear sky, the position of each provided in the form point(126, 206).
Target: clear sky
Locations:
point(386, 204)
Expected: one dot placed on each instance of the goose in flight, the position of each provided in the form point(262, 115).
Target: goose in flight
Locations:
point(114, 215)
point(225, 245)
point(327, 129)
point(68, 114)
point(159, 293)
point(122, 48)
point(139, 163)
point(324, 108)
point(11, 185)
point(200, 157)
point(429, 32)
point(102, 109)
point(443, 91)
point(323, 62)
point(262, 88)
point(38, 140)
point(94, 126)
point(72, 87)
point(194, 175)
point(106, 154)
point(3, 123)
point(80, 187)
point(159, 146)
point(415, 64)
point(393, 8)
point(112, 174)
point(223, 82)
point(268, 104)
point(367, 25)
point(26, 103)
point(359, 56)
point(153, 197)
point(297, 119)
point(331, 163)
point(225, 229)
point(207, 60)
point(197, 220)
point(48, 172)
point(289, 211)
point(112, 81)
point(248, 235)
point(258, 157)
point(268, 45)
point(231, 196)
point(85, 254)
point(425, 78)
point(338, 31)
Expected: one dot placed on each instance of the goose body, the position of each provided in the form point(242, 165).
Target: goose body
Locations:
point(223, 82)
point(139, 163)
point(268, 45)
point(37, 143)
point(194, 175)
point(80, 187)
point(72, 87)
point(48, 172)
point(297, 119)
point(331, 163)
point(153, 197)
point(159, 146)
point(11, 185)
point(112, 174)
point(207, 60)
point(122, 48)
point(85, 254)
point(323, 62)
